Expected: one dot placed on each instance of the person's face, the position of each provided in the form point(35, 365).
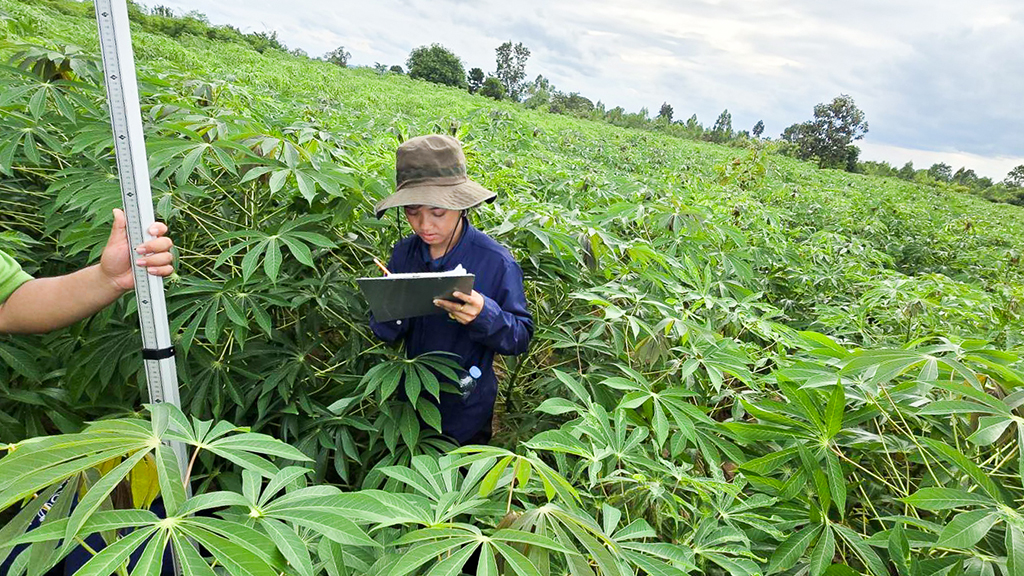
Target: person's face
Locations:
point(434, 226)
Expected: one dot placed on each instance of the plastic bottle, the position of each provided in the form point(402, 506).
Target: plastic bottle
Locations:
point(468, 382)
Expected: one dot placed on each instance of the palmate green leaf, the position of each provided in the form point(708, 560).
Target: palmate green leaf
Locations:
point(411, 479)
point(490, 481)
point(22, 520)
point(558, 406)
point(954, 457)
point(558, 441)
point(150, 562)
point(598, 551)
point(101, 521)
point(254, 541)
point(97, 495)
point(453, 564)
point(284, 478)
point(946, 498)
point(576, 388)
point(824, 550)
point(289, 543)
point(899, 550)
point(252, 259)
point(966, 529)
point(22, 362)
point(210, 500)
point(277, 179)
point(431, 415)
point(1014, 541)
point(841, 570)
point(331, 523)
point(735, 566)
point(530, 539)
point(787, 553)
point(834, 412)
point(652, 566)
point(760, 432)
point(169, 476)
point(973, 393)
point(943, 407)
point(836, 482)
point(272, 259)
point(770, 462)
point(260, 444)
point(238, 560)
point(862, 550)
point(423, 553)
point(520, 564)
point(108, 559)
point(990, 428)
point(192, 564)
point(299, 250)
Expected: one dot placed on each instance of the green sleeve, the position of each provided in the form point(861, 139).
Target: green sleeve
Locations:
point(11, 276)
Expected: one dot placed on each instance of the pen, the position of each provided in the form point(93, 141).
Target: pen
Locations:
point(381, 266)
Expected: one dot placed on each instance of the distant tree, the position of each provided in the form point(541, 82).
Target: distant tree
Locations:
point(263, 41)
point(852, 156)
point(199, 16)
point(1015, 179)
point(614, 116)
point(538, 92)
point(161, 10)
point(338, 56)
point(758, 129)
point(493, 88)
point(572, 104)
point(380, 68)
point(437, 64)
point(965, 177)
point(511, 67)
point(396, 69)
point(874, 168)
point(941, 172)
point(828, 137)
point(907, 172)
point(666, 112)
point(475, 79)
point(722, 131)
point(298, 52)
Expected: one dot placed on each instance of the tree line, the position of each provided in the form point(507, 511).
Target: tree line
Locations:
point(826, 139)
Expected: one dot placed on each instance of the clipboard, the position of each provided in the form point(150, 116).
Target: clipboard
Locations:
point(400, 296)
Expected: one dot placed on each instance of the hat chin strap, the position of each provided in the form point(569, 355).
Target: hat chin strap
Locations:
point(448, 245)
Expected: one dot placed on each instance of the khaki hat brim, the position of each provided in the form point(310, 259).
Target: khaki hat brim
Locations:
point(454, 197)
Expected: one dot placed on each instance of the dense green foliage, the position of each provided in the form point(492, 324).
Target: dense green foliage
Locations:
point(828, 138)
point(743, 364)
point(437, 64)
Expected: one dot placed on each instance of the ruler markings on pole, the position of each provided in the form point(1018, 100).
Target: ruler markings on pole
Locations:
point(133, 175)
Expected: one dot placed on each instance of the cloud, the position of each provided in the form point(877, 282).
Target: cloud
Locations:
point(936, 75)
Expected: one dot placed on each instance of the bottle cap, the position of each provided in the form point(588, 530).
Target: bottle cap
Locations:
point(475, 372)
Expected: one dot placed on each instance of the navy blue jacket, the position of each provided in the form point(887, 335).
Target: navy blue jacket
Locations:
point(504, 326)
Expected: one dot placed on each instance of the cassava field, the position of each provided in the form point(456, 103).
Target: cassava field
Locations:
point(742, 365)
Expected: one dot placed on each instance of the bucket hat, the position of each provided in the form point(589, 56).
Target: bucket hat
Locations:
point(431, 171)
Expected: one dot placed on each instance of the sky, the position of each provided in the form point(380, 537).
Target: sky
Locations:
point(939, 80)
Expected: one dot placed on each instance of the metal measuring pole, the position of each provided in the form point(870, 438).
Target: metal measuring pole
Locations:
point(133, 174)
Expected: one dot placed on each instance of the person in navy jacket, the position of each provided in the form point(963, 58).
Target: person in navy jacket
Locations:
point(434, 193)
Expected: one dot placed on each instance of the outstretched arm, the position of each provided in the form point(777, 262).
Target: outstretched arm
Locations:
point(45, 304)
